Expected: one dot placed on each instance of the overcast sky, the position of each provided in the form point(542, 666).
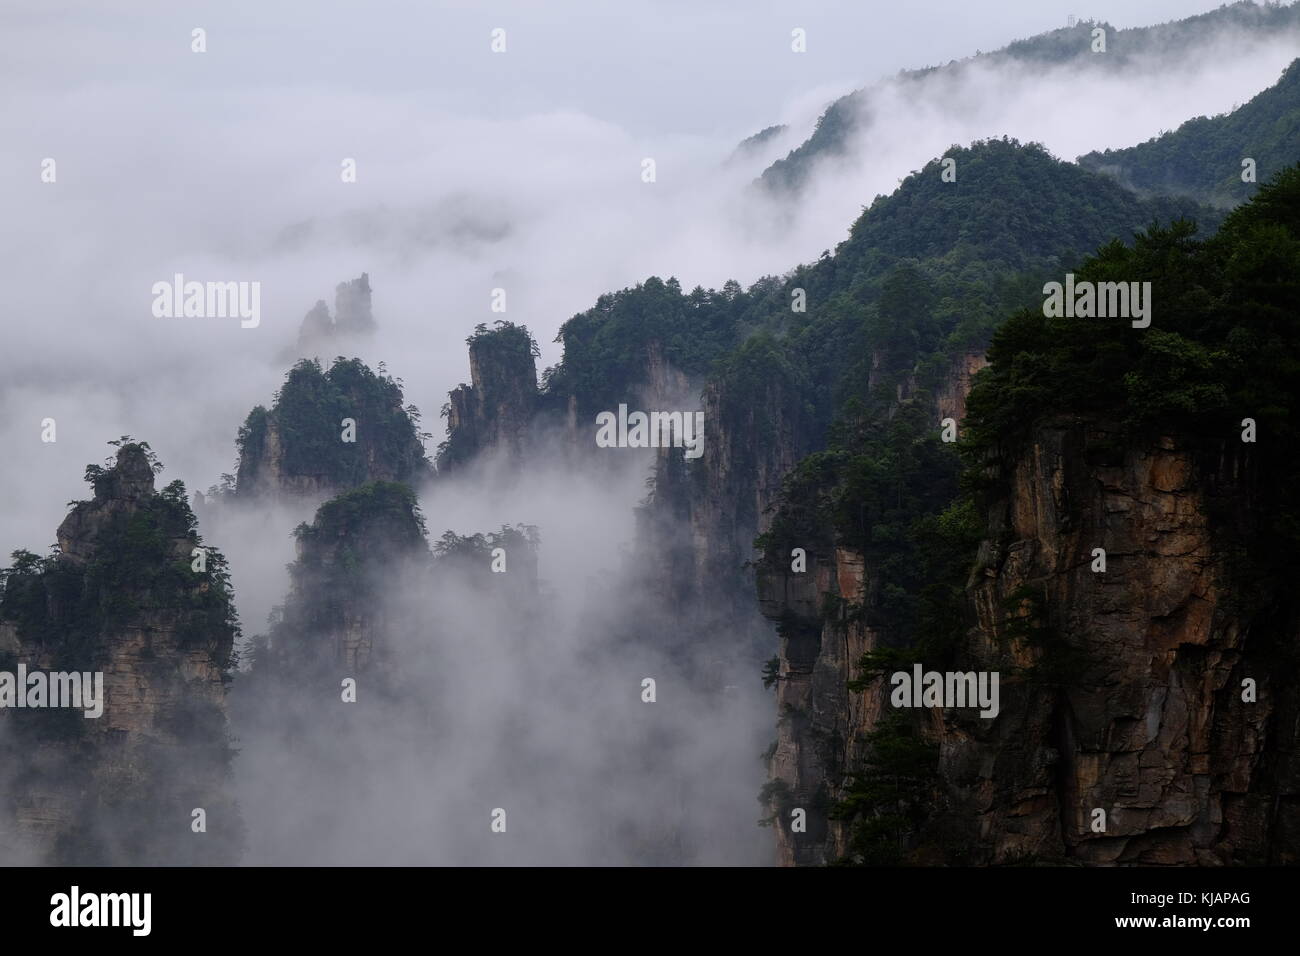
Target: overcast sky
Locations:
point(653, 68)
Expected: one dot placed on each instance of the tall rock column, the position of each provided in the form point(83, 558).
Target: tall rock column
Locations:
point(121, 597)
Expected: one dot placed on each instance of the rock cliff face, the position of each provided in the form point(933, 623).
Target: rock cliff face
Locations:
point(820, 724)
point(947, 394)
point(950, 396)
point(120, 597)
point(664, 386)
point(502, 414)
point(697, 529)
point(750, 447)
point(1121, 690)
point(492, 414)
point(1151, 727)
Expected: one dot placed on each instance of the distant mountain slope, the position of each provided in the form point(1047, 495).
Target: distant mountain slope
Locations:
point(752, 144)
point(1131, 48)
point(1202, 158)
point(935, 266)
point(1013, 206)
point(931, 267)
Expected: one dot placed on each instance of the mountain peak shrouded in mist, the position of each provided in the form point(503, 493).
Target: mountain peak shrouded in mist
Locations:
point(352, 306)
point(353, 320)
point(332, 618)
point(329, 429)
point(754, 146)
point(383, 513)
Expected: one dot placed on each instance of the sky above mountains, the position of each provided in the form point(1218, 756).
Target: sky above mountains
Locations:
point(653, 67)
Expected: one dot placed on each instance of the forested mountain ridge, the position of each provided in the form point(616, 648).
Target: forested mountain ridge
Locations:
point(1206, 158)
point(1126, 49)
point(963, 253)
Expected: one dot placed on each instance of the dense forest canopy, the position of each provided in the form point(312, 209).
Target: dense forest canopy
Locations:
point(925, 271)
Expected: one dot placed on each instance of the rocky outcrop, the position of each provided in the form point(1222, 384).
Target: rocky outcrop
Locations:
point(502, 414)
point(352, 313)
point(697, 527)
point(665, 386)
point(491, 416)
point(121, 597)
